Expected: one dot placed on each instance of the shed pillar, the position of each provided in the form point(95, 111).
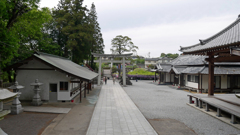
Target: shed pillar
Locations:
point(124, 72)
point(99, 70)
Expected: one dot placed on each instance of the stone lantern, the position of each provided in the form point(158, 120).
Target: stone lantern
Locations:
point(5, 95)
point(36, 98)
point(16, 107)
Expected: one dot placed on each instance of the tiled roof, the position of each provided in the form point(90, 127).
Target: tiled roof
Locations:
point(227, 36)
point(223, 71)
point(163, 67)
point(189, 60)
point(193, 70)
point(178, 70)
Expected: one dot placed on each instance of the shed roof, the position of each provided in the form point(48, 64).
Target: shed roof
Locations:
point(60, 64)
point(66, 65)
point(228, 36)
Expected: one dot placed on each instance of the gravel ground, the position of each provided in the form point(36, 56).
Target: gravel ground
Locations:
point(26, 123)
point(162, 101)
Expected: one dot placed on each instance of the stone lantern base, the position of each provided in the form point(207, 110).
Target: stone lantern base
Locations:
point(36, 102)
point(16, 109)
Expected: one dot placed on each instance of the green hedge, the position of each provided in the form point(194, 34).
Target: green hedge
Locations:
point(141, 71)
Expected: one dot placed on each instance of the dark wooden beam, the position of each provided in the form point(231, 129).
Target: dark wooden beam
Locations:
point(224, 59)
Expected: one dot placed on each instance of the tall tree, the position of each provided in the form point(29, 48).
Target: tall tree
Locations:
point(10, 14)
point(74, 30)
point(97, 44)
point(121, 44)
point(20, 22)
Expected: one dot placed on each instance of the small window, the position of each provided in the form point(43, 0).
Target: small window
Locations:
point(64, 86)
point(189, 78)
point(228, 82)
point(196, 79)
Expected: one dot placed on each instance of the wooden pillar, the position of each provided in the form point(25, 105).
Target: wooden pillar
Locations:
point(211, 75)
point(201, 83)
point(170, 78)
point(155, 77)
point(159, 78)
point(88, 87)
point(80, 83)
point(198, 81)
point(85, 90)
point(165, 77)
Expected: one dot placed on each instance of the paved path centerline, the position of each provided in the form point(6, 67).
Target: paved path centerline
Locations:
point(116, 114)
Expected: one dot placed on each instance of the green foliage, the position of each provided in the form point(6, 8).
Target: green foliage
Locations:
point(131, 66)
point(140, 71)
point(170, 55)
point(97, 45)
point(151, 66)
point(121, 44)
point(114, 69)
point(140, 61)
point(20, 26)
point(70, 30)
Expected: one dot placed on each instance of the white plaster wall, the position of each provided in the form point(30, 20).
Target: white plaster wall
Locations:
point(223, 81)
point(26, 77)
point(167, 77)
point(192, 84)
point(205, 82)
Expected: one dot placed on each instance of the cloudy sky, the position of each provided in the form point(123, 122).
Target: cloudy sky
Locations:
point(158, 26)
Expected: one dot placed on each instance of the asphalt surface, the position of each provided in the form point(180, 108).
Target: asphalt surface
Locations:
point(161, 102)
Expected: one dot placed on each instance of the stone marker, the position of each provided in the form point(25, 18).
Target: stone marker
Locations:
point(16, 107)
point(36, 98)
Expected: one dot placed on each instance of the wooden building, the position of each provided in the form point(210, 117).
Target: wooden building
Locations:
point(221, 47)
point(62, 79)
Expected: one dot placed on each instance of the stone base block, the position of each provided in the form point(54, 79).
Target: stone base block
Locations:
point(16, 109)
point(36, 103)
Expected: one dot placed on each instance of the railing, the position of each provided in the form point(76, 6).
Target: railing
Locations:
point(89, 67)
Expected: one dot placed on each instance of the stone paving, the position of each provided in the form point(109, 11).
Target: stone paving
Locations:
point(46, 109)
point(116, 114)
point(166, 102)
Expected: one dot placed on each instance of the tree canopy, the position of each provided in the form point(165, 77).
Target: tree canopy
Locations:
point(169, 55)
point(70, 30)
point(121, 44)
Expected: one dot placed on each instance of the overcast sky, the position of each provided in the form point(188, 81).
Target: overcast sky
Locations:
point(158, 26)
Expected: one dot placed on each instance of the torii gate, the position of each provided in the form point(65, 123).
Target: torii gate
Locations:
point(123, 61)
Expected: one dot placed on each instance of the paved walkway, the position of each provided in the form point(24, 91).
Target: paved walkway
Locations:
point(116, 114)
